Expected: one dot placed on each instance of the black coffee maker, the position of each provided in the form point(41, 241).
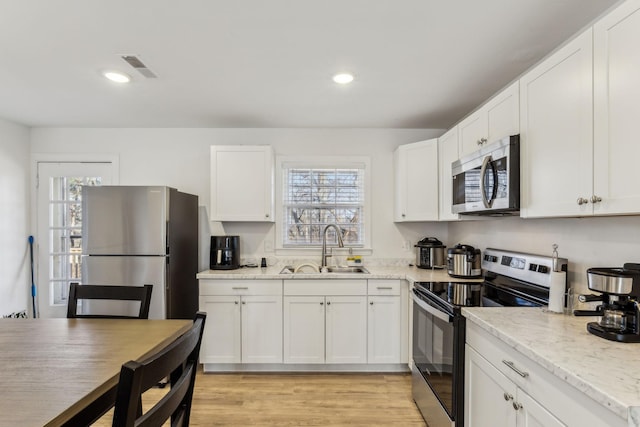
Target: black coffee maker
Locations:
point(225, 253)
point(620, 293)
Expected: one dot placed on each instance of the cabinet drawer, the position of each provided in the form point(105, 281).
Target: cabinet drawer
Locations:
point(325, 287)
point(240, 287)
point(383, 287)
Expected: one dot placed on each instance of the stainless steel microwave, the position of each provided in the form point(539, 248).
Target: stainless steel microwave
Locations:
point(487, 182)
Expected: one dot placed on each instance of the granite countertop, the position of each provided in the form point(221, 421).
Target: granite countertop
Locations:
point(412, 274)
point(606, 371)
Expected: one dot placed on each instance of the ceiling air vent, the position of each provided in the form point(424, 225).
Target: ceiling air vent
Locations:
point(135, 62)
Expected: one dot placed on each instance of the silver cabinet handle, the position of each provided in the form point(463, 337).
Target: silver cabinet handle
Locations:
point(235, 302)
point(328, 302)
point(266, 215)
point(403, 215)
point(507, 396)
point(596, 199)
point(516, 370)
point(371, 303)
point(582, 201)
point(384, 288)
point(244, 302)
point(481, 141)
point(239, 288)
point(517, 406)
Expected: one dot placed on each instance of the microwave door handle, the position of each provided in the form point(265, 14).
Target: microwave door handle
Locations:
point(431, 310)
point(483, 190)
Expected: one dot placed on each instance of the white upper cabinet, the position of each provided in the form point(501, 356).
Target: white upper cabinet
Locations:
point(556, 133)
point(416, 185)
point(447, 154)
point(617, 110)
point(242, 183)
point(498, 118)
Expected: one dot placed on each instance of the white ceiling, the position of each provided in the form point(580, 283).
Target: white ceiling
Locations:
point(268, 63)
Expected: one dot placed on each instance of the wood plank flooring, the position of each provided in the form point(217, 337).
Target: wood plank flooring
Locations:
point(267, 399)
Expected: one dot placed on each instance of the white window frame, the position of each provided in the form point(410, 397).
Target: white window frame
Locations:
point(317, 162)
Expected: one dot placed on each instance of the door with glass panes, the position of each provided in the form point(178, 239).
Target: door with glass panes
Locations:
point(58, 237)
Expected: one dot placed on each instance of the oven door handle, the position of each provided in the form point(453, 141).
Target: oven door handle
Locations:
point(429, 309)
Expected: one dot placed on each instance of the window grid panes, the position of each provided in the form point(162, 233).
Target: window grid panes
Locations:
point(65, 239)
point(316, 197)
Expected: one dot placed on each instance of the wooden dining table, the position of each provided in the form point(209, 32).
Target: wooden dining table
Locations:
point(51, 369)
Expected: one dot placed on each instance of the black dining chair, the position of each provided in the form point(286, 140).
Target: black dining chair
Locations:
point(179, 362)
point(78, 292)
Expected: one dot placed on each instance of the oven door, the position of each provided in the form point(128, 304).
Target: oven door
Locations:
point(438, 357)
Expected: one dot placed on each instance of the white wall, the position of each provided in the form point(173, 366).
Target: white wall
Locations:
point(585, 242)
point(15, 280)
point(180, 158)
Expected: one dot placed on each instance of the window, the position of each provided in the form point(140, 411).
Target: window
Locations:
point(317, 193)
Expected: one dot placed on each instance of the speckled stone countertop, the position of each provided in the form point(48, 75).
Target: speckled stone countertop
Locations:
point(606, 371)
point(412, 274)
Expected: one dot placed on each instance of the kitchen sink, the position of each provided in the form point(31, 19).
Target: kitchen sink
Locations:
point(289, 269)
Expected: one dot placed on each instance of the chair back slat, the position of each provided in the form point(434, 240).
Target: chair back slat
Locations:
point(178, 361)
point(109, 292)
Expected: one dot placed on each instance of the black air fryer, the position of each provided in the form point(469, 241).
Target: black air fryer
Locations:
point(225, 253)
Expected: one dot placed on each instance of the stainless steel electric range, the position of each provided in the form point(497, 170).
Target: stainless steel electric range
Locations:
point(511, 279)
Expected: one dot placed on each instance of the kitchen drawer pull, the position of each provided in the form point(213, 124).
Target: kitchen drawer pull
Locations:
point(388, 288)
point(239, 288)
point(517, 371)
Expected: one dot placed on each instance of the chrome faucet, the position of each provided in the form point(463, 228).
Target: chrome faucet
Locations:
point(324, 242)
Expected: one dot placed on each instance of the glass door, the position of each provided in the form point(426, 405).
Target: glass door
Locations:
point(59, 239)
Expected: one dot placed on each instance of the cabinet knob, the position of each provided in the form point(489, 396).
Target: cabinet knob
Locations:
point(328, 302)
point(266, 215)
point(236, 302)
point(321, 303)
point(481, 141)
point(507, 396)
point(517, 406)
point(582, 201)
point(244, 302)
point(403, 215)
point(596, 199)
point(371, 303)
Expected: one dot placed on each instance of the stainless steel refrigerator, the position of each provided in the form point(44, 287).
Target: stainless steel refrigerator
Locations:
point(137, 235)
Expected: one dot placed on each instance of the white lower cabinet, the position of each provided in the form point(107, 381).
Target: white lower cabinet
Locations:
point(505, 388)
point(493, 400)
point(325, 321)
point(244, 321)
point(384, 321)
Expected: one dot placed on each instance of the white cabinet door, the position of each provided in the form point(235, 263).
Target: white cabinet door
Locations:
point(346, 329)
point(261, 329)
point(617, 110)
point(496, 119)
point(488, 394)
point(221, 337)
point(447, 154)
point(383, 329)
point(556, 132)
point(473, 132)
point(531, 414)
point(242, 183)
point(304, 329)
point(503, 113)
point(416, 174)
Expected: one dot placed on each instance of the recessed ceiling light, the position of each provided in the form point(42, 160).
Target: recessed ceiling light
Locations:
point(116, 76)
point(343, 78)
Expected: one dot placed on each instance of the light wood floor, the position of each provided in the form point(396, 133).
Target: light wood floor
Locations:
point(300, 400)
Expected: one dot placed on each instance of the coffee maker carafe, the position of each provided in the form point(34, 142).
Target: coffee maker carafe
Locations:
point(225, 253)
point(619, 293)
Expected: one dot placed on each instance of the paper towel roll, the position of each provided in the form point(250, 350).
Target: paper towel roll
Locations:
point(557, 289)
